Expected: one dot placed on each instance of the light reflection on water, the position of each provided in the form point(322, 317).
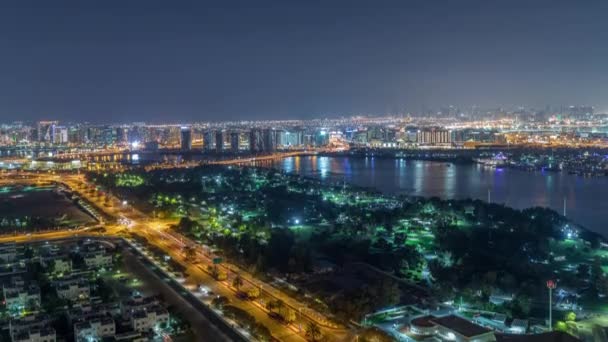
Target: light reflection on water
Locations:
point(586, 201)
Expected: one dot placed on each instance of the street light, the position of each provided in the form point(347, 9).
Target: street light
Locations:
point(551, 285)
point(300, 320)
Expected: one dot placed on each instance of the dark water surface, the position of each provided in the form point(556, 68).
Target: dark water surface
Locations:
point(586, 198)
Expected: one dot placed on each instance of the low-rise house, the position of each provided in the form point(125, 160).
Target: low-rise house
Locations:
point(423, 326)
point(86, 311)
point(130, 336)
point(34, 328)
point(500, 318)
point(8, 252)
point(97, 260)
point(74, 291)
point(19, 295)
point(12, 269)
point(37, 335)
point(57, 265)
point(73, 288)
point(147, 319)
point(138, 303)
point(455, 328)
point(519, 326)
point(94, 329)
point(500, 298)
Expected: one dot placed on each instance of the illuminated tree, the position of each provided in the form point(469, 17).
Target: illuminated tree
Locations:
point(189, 252)
point(280, 305)
point(213, 270)
point(570, 317)
point(560, 326)
point(237, 282)
point(313, 332)
point(270, 305)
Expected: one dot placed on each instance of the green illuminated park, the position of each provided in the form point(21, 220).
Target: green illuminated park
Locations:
point(336, 246)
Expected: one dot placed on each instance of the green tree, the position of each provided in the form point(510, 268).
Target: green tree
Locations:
point(313, 332)
point(189, 252)
point(219, 302)
point(262, 332)
point(280, 305)
point(560, 326)
point(270, 305)
point(213, 270)
point(570, 317)
point(237, 282)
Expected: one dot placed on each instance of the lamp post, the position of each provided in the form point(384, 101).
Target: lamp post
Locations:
point(300, 320)
point(551, 285)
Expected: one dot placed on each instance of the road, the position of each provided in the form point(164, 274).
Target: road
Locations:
point(158, 233)
point(189, 306)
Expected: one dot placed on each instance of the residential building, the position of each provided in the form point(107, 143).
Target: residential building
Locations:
point(18, 295)
point(36, 335)
point(434, 136)
point(33, 328)
point(147, 319)
point(8, 252)
point(455, 328)
point(98, 259)
point(130, 306)
point(94, 328)
point(74, 289)
point(58, 264)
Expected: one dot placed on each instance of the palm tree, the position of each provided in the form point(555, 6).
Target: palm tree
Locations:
point(313, 332)
point(280, 305)
point(270, 305)
point(237, 282)
point(213, 270)
point(189, 252)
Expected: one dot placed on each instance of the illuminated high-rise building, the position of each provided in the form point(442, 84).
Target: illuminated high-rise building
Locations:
point(433, 136)
point(270, 140)
point(208, 140)
point(256, 144)
point(234, 141)
point(122, 135)
point(186, 138)
point(60, 135)
point(219, 141)
point(46, 131)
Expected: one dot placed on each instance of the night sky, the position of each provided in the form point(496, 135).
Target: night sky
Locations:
point(168, 61)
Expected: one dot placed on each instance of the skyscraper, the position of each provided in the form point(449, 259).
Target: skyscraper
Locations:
point(186, 139)
point(219, 141)
point(208, 140)
point(234, 141)
point(60, 135)
point(270, 140)
point(46, 131)
point(255, 141)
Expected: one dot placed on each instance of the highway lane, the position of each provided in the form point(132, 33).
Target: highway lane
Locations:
point(250, 280)
point(190, 308)
point(197, 275)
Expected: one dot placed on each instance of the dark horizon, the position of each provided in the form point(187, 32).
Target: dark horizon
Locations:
point(117, 61)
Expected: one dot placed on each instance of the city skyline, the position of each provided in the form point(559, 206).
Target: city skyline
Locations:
point(303, 171)
point(149, 61)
